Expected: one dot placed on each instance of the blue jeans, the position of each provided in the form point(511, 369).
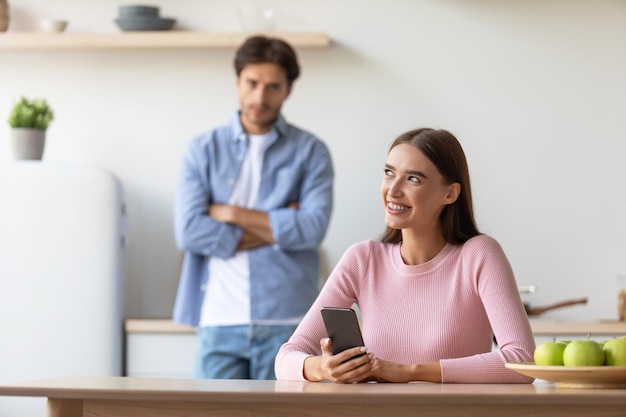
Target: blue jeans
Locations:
point(239, 352)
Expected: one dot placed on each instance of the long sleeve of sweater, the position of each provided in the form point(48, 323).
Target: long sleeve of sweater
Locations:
point(445, 310)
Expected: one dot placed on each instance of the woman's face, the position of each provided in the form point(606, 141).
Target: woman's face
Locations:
point(414, 192)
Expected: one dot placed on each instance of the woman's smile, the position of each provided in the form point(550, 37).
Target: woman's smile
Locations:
point(393, 207)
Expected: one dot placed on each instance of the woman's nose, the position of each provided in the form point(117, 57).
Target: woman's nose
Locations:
point(394, 189)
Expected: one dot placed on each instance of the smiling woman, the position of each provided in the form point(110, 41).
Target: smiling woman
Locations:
point(439, 154)
point(432, 293)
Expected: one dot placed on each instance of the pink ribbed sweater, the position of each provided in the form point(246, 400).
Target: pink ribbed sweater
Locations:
point(445, 310)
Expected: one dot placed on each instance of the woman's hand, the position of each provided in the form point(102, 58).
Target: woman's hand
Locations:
point(343, 368)
point(385, 371)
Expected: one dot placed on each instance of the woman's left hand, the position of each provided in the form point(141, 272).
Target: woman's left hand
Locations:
point(385, 371)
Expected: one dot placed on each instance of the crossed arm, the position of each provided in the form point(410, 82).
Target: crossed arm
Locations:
point(255, 224)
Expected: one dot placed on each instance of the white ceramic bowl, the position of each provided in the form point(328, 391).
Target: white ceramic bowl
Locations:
point(53, 25)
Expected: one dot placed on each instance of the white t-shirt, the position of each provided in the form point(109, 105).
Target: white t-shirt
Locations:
point(227, 297)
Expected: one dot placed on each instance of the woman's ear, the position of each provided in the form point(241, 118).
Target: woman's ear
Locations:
point(453, 192)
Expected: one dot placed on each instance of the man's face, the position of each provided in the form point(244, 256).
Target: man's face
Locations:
point(262, 90)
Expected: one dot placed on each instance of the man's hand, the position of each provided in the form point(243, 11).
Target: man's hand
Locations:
point(249, 241)
point(223, 212)
point(255, 224)
point(229, 213)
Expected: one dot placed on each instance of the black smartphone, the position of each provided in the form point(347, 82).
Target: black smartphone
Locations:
point(342, 326)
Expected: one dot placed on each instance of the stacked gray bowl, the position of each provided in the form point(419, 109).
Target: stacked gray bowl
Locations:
point(142, 18)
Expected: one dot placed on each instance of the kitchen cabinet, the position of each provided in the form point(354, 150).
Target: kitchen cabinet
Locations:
point(36, 41)
point(160, 348)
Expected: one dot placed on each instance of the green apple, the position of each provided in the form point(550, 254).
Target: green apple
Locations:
point(549, 354)
point(615, 352)
point(583, 353)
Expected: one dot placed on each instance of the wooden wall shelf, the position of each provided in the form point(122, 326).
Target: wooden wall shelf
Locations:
point(24, 41)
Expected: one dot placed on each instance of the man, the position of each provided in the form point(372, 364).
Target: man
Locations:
point(252, 206)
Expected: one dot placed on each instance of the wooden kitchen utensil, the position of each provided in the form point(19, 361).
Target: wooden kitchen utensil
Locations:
point(535, 311)
point(4, 15)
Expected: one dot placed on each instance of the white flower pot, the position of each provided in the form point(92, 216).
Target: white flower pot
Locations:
point(28, 143)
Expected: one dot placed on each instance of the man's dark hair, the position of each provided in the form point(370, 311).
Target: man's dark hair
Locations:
point(261, 49)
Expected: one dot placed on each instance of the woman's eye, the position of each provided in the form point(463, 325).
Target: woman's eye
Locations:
point(388, 173)
point(416, 180)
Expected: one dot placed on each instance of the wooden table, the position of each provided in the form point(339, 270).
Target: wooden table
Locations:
point(161, 397)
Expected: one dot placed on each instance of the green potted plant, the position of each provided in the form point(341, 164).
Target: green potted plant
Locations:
point(29, 120)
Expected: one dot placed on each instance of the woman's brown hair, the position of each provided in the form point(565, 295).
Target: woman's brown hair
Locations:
point(445, 152)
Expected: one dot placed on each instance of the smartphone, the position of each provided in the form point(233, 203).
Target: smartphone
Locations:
point(342, 326)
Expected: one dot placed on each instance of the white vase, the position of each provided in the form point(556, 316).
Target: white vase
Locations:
point(28, 143)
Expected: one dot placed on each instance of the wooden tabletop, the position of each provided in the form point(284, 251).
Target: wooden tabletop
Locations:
point(163, 397)
point(182, 389)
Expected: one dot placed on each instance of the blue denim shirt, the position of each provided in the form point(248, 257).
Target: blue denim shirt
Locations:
point(297, 167)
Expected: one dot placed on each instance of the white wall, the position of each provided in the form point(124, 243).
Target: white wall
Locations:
point(534, 90)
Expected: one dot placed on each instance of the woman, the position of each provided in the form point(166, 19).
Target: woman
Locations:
point(432, 293)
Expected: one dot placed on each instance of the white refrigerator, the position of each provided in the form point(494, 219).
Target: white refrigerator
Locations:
point(62, 247)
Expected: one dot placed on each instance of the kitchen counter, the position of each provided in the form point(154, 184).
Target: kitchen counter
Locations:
point(161, 348)
point(163, 397)
point(156, 326)
point(539, 326)
point(596, 328)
